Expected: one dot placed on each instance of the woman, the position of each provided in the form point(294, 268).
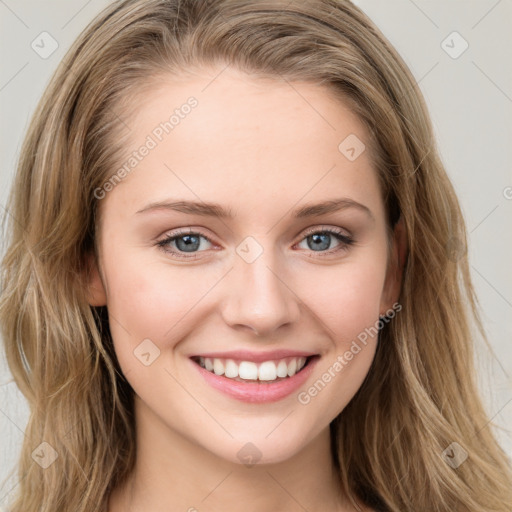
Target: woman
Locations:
point(231, 278)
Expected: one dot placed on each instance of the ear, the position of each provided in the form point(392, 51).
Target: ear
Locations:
point(95, 290)
point(393, 281)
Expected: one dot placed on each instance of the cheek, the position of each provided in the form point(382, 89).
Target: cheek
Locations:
point(349, 311)
point(146, 301)
point(347, 297)
point(347, 301)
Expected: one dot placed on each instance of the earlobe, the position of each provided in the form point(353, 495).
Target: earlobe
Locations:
point(393, 282)
point(95, 289)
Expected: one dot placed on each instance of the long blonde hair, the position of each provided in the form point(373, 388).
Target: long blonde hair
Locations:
point(420, 395)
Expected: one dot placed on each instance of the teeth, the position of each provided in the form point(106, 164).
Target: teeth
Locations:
point(247, 370)
point(218, 367)
point(231, 369)
point(292, 367)
point(282, 369)
point(267, 371)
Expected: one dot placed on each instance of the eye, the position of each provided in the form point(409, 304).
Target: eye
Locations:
point(186, 241)
point(319, 240)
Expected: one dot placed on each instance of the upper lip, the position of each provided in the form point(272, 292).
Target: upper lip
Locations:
point(256, 357)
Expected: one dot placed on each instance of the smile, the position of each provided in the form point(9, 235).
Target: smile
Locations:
point(267, 371)
point(256, 378)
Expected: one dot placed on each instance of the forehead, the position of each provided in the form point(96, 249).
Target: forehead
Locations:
point(247, 141)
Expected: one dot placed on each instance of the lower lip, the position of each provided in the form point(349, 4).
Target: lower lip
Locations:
point(255, 392)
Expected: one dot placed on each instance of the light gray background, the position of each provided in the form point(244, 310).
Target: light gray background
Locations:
point(470, 100)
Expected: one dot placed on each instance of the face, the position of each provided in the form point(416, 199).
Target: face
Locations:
point(253, 281)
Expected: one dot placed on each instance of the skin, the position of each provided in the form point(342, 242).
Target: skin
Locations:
point(261, 148)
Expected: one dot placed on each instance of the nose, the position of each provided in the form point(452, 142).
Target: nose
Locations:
point(259, 296)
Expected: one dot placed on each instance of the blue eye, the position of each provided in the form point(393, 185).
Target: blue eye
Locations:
point(318, 241)
point(187, 243)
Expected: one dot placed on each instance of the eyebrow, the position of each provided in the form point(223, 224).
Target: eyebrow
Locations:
point(216, 210)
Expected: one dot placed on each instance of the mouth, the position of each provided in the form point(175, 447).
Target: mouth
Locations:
point(265, 372)
point(255, 378)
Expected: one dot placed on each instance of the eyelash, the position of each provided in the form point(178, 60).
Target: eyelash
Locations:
point(345, 241)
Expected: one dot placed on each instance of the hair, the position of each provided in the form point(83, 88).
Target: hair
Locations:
point(420, 394)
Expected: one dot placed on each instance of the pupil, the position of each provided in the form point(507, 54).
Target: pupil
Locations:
point(191, 243)
point(318, 239)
